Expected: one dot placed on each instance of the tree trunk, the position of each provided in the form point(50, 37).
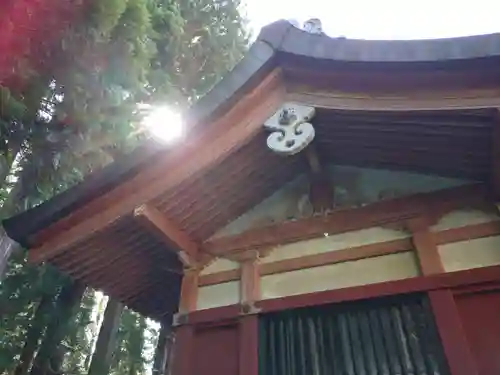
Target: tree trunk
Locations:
point(34, 334)
point(24, 187)
point(101, 307)
point(101, 359)
point(49, 357)
point(7, 247)
point(160, 359)
point(6, 162)
point(170, 353)
point(10, 206)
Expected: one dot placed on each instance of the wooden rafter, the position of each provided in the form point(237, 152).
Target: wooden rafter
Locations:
point(204, 149)
point(316, 89)
point(167, 231)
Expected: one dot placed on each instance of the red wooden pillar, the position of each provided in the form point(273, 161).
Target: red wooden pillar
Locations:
point(248, 345)
point(183, 350)
point(425, 245)
point(248, 323)
point(449, 324)
point(182, 360)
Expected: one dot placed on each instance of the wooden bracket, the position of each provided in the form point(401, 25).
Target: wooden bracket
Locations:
point(425, 245)
point(320, 187)
point(167, 231)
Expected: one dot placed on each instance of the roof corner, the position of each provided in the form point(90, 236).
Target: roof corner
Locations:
point(274, 33)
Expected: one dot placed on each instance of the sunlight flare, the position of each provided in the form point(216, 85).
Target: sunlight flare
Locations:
point(164, 124)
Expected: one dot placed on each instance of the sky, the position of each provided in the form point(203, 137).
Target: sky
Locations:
point(383, 19)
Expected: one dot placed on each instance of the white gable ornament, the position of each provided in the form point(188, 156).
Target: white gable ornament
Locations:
point(291, 130)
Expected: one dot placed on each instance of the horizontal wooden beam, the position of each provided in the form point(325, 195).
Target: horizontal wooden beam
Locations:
point(168, 232)
point(202, 149)
point(423, 99)
point(411, 285)
point(465, 233)
point(344, 220)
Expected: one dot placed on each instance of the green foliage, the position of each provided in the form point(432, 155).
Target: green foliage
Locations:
point(78, 340)
point(129, 357)
point(11, 108)
point(20, 294)
point(68, 108)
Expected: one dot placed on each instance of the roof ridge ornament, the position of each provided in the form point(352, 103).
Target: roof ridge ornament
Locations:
point(291, 130)
point(313, 26)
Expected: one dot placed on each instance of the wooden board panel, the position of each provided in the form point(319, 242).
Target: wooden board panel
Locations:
point(480, 314)
point(216, 350)
point(451, 332)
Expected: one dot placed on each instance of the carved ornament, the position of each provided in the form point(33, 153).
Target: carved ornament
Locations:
point(291, 130)
point(313, 26)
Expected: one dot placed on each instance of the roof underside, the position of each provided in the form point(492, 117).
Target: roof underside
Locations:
point(132, 265)
point(127, 261)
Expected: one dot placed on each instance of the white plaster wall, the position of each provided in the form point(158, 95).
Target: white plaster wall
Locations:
point(481, 252)
point(334, 242)
point(372, 185)
point(220, 265)
point(281, 206)
point(353, 187)
point(461, 218)
point(218, 295)
point(341, 275)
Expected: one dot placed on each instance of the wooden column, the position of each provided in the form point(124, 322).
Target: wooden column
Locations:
point(184, 332)
point(249, 345)
point(182, 360)
point(425, 246)
point(449, 324)
point(106, 341)
point(250, 280)
point(320, 187)
point(249, 320)
point(189, 291)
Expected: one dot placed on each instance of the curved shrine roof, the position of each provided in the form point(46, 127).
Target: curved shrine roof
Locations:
point(279, 38)
point(281, 45)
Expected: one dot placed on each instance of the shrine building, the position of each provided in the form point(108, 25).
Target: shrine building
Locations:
point(332, 209)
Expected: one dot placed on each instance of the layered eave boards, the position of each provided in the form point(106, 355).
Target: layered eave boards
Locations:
point(396, 111)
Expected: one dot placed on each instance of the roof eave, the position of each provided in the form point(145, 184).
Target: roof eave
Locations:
point(281, 38)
